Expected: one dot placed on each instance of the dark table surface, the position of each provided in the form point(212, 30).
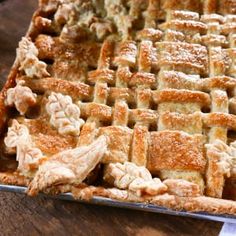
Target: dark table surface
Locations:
point(21, 215)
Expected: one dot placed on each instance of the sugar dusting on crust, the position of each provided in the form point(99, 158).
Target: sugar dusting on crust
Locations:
point(20, 96)
point(27, 54)
point(27, 155)
point(184, 152)
point(68, 167)
point(134, 178)
point(64, 115)
point(181, 96)
point(189, 57)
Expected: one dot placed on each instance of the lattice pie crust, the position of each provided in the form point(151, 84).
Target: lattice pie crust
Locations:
point(132, 100)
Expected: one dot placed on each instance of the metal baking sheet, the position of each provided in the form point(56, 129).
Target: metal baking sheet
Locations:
point(136, 206)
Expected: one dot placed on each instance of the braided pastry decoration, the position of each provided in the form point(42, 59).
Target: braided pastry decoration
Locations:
point(134, 178)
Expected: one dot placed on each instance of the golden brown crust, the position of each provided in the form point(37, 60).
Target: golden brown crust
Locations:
point(45, 45)
point(143, 116)
point(100, 111)
point(103, 75)
point(178, 80)
point(54, 48)
point(193, 204)
point(47, 138)
point(127, 50)
point(150, 34)
point(220, 120)
point(140, 146)
point(13, 179)
point(186, 26)
point(177, 121)
point(142, 78)
point(191, 5)
point(196, 204)
point(223, 82)
point(215, 176)
point(184, 153)
point(227, 7)
point(118, 144)
point(58, 85)
point(181, 96)
point(195, 58)
point(183, 15)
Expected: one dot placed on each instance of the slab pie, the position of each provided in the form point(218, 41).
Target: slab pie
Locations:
point(132, 100)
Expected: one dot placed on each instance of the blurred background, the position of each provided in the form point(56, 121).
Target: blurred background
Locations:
point(15, 16)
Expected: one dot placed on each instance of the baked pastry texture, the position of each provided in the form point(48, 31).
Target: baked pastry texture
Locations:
point(132, 100)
